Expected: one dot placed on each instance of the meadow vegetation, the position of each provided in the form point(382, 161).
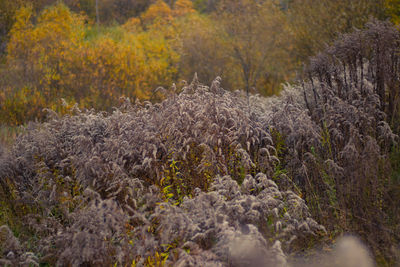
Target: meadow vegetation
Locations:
point(114, 152)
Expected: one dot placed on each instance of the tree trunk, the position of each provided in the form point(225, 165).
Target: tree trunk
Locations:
point(97, 12)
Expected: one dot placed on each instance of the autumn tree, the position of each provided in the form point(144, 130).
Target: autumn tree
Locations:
point(183, 7)
point(38, 50)
point(8, 9)
point(245, 42)
point(125, 9)
point(254, 34)
point(58, 56)
point(393, 10)
point(7, 19)
point(159, 13)
point(206, 6)
point(316, 23)
point(202, 50)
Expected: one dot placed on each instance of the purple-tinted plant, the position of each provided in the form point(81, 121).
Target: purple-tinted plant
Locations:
point(336, 130)
point(207, 176)
point(92, 187)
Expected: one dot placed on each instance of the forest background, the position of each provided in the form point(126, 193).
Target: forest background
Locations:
point(93, 52)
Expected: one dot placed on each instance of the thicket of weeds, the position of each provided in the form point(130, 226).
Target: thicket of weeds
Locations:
point(209, 177)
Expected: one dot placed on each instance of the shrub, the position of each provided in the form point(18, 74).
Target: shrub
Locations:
point(89, 182)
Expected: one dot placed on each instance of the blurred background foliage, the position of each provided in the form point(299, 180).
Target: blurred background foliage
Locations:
point(92, 52)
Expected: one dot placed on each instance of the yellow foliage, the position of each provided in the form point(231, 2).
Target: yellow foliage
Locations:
point(393, 9)
point(61, 57)
point(57, 27)
point(19, 105)
point(183, 7)
point(158, 12)
point(132, 25)
point(18, 32)
point(38, 50)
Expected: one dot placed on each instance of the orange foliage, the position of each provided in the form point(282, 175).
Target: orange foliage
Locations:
point(183, 7)
point(132, 25)
point(159, 13)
